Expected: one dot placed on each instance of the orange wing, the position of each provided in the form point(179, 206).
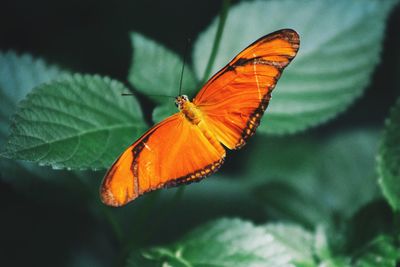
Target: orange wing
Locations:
point(234, 100)
point(172, 152)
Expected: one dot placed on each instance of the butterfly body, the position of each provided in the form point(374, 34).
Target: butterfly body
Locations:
point(188, 109)
point(193, 114)
point(190, 144)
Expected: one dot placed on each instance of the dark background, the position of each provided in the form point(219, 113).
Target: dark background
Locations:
point(93, 37)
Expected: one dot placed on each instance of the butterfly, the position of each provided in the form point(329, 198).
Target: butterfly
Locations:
point(189, 145)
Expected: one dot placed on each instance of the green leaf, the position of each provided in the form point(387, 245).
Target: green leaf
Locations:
point(374, 219)
point(335, 262)
point(77, 122)
point(319, 186)
point(340, 47)
point(163, 111)
point(224, 195)
point(389, 159)
point(345, 166)
point(298, 242)
point(233, 242)
point(287, 202)
point(19, 74)
point(155, 70)
point(380, 252)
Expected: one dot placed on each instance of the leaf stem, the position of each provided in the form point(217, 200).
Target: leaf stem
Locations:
point(222, 19)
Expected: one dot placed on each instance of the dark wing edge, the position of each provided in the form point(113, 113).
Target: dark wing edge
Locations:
point(254, 121)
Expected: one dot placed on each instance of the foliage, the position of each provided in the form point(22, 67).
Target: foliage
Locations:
point(49, 127)
point(303, 192)
point(389, 159)
point(379, 252)
point(233, 243)
point(331, 70)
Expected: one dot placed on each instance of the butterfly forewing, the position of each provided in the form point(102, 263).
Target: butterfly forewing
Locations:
point(235, 98)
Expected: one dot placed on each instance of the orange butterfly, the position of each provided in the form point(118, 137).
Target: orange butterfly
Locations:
point(187, 146)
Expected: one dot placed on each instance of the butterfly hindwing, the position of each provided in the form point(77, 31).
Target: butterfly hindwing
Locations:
point(173, 152)
point(234, 100)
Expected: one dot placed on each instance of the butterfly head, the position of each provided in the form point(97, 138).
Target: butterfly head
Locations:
point(180, 100)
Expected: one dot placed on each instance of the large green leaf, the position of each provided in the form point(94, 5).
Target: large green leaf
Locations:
point(233, 242)
point(340, 45)
point(18, 75)
point(155, 70)
point(345, 166)
point(389, 159)
point(76, 122)
point(37, 193)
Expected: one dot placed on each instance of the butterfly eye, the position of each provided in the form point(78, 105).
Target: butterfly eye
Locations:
point(185, 97)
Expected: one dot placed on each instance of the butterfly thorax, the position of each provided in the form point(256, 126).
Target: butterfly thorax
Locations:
point(191, 112)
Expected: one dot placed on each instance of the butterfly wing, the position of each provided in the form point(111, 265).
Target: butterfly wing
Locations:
point(234, 100)
point(174, 151)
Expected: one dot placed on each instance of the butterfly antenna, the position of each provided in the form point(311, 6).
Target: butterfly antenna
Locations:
point(183, 65)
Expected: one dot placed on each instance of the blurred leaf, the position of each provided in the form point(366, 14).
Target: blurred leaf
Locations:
point(346, 173)
point(322, 249)
point(267, 159)
point(340, 47)
point(389, 159)
point(320, 184)
point(155, 70)
point(76, 122)
point(18, 75)
point(323, 252)
point(335, 262)
point(164, 110)
point(146, 221)
point(298, 242)
point(234, 242)
point(372, 220)
point(285, 202)
point(380, 252)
